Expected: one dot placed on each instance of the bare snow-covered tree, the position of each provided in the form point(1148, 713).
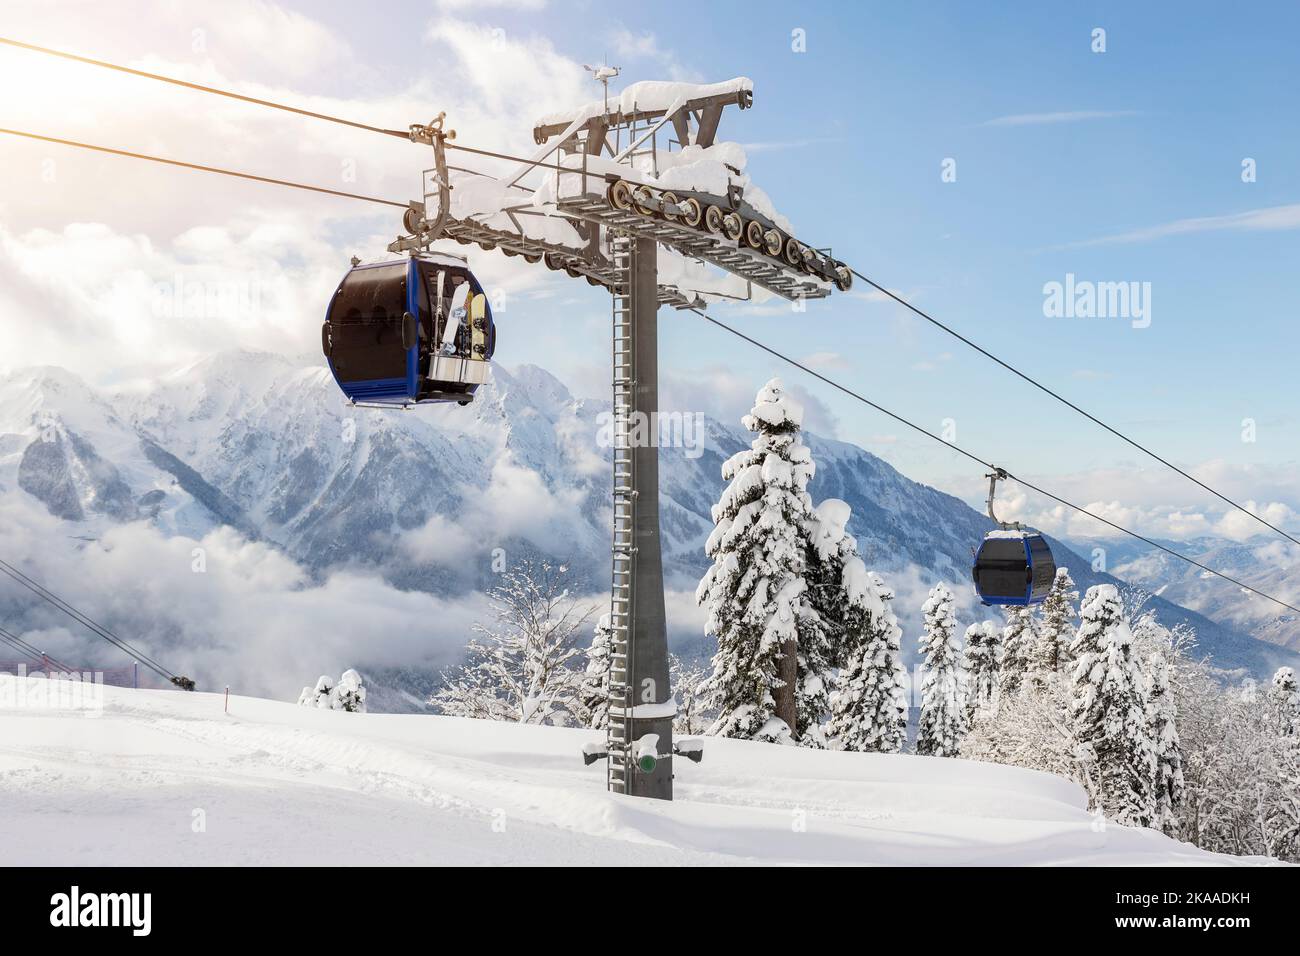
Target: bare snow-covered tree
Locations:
point(754, 591)
point(592, 702)
point(981, 658)
point(1050, 650)
point(1029, 729)
point(1108, 709)
point(1162, 731)
point(869, 706)
point(943, 691)
point(520, 667)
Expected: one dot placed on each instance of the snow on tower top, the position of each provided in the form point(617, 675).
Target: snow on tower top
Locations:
point(647, 96)
point(773, 407)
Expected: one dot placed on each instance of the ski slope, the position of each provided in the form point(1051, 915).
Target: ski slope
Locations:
point(274, 783)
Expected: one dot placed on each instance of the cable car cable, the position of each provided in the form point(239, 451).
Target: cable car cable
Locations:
point(99, 630)
point(401, 134)
point(1069, 404)
point(973, 457)
point(203, 169)
point(196, 86)
point(32, 651)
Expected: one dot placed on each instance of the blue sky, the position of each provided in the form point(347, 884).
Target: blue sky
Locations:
point(1115, 166)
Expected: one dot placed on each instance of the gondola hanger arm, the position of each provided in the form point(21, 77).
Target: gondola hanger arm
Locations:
point(996, 475)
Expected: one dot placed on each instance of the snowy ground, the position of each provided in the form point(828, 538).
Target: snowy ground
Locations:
point(281, 784)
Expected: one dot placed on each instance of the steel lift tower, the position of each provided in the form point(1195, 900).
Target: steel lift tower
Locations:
point(622, 219)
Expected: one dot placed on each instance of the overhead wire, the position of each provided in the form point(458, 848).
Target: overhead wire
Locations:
point(200, 168)
point(93, 626)
point(30, 650)
point(1069, 404)
point(987, 464)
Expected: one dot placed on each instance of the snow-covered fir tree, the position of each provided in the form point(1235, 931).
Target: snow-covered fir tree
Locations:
point(1019, 638)
point(943, 703)
point(822, 637)
point(1284, 702)
point(754, 591)
point(1050, 651)
point(869, 706)
point(592, 702)
point(981, 658)
point(1162, 731)
point(523, 666)
point(1109, 710)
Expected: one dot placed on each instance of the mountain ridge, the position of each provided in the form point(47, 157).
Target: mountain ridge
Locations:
point(428, 498)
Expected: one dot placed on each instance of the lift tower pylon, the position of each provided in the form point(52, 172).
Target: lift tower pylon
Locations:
point(641, 703)
point(621, 218)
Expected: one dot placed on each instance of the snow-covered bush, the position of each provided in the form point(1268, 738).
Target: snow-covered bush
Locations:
point(521, 667)
point(943, 691)
point(347, 693)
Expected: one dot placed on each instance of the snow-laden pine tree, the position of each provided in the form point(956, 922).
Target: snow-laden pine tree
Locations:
point(869, 707)
point(1050, 652)
point(1019, 638)
point(592, 701)
point(822, 631)
point(1284, 702)
point(1108, 710)
point(981, 658)
point(1162, 731)
point(943, 692)
point(754, 591)
point(521, 667)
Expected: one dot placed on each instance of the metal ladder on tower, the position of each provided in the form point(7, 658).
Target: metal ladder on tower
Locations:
point(624, 552)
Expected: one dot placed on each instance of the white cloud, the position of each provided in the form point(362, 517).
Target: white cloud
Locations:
point(459, 5)
point(1157, 502)
point(1068, 116)
point(252, 619)
point(1267, 219)
point(645, 46)
point(829, 360)
point(279, 251)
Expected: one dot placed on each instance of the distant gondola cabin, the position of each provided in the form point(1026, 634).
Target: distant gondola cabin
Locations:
point(1013, 568)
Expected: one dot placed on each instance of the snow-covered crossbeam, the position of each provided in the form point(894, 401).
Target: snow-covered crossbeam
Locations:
point(648, 99)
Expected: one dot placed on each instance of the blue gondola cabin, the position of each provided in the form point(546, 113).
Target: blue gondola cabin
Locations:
point(409, 332)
